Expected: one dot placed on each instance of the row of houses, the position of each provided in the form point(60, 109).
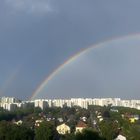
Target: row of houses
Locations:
point(62, 128)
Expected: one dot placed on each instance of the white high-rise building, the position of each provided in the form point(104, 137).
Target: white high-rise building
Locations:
point(58, 102)
point(9, 100)
point(41, 103)
point(9, 106)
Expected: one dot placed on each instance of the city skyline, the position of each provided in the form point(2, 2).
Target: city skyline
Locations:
point(38, 37)
point(12, 103)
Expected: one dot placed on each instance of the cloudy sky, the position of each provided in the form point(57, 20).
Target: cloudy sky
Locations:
point(36, 36)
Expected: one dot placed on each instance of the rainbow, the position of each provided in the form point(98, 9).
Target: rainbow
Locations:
point(73, 58)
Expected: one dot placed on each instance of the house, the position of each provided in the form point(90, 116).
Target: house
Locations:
point(100, 118)
point(18, 122)
point(80, 126)
point(133, 118)
point(60, 120)
point(114, 110)
point(63, 129)
point(84, 119)
point(37, 122)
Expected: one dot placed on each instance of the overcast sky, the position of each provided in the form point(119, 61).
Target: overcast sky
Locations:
point(36, 36)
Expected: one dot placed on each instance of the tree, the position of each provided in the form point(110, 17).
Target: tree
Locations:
point(106, 128)
point(46, 131)
point(133, 133)
point(10, 131)
point(22, 133)
point(70, 136)
point(5, 129)
point(106, 114)
point(88, 134)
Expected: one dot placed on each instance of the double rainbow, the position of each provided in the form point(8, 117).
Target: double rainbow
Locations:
point(73, 58)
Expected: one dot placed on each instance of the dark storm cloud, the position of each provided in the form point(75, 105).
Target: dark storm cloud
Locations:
point(42, 34)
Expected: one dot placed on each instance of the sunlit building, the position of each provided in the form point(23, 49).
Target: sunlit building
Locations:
point(63, 129)
point(41, 103)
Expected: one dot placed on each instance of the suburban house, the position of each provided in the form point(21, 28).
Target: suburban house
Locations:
point(63, 129)
point(80, 126)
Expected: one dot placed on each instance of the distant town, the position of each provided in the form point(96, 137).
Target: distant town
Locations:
point(69, 119)
point(11, 103)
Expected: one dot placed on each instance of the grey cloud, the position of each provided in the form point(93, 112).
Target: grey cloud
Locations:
point(30, 6)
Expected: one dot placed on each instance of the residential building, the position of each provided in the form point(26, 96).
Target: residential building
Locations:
point(63, 129)
point(80, 126)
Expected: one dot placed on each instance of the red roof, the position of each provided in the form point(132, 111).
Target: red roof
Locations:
point(81, 124)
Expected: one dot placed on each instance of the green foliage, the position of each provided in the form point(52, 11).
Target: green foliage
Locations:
point(133, 132)
point(37, 110)
point(18, 114)
point(22, 133)
point(46, 131)
point(10, 131)
point(68, 137)
point(106, 114)
point(108, 128)
point(88, 134)
point(124, 110)
point(8, 116)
